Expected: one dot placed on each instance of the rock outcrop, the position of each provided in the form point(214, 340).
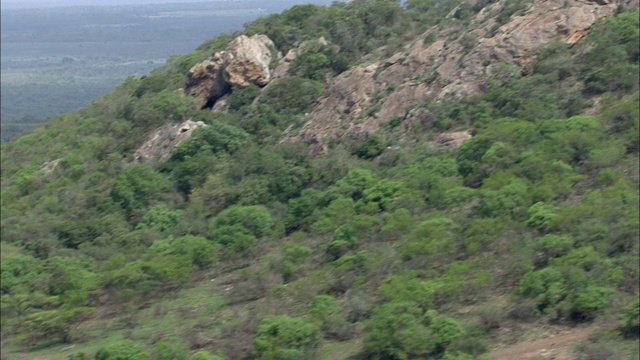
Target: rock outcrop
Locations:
point(163, 140)
point(245, 61)
point(205, 81)
point(457, 65)
point(49, 166)
point(452, 140)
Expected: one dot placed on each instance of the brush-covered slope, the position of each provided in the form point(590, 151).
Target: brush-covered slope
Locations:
point(434, 181)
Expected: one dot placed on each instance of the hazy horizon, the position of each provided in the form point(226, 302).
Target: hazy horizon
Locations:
point(62, 3)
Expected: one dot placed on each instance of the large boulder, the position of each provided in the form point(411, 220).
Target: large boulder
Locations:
point(245, 61)
point(206, 82)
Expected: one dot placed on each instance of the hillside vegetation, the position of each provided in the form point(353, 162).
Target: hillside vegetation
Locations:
point(387, 245)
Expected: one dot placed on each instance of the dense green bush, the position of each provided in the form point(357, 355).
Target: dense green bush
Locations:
point(256, 219)
point(294, 257)
point(285, 338)
point(235, 238)
point(565, 292)
point(137, 186)
point(292, 94)
point(372, 147)
point(198, 250)
point(343, 239)
point(213, 139)
point(395, 331)
point(241, 97)
point(161, 218)
point(311, 64)
point(401, 331)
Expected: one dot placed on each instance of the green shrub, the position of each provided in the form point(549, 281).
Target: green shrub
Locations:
point(372, 147)
point(164, 350)
point(396, 331)
point(344, 238)
point(241, 97)
point(565, 292)
point(122, 350)
point(339, 212)
point(310, 64)
point(541, 216)
point(301, 208)
point(380, 196)
point(445, 329)
point(417, 291)
point(326, 310)
point(256, 219)
point(285, 338)
point(161, 218)
point(135, 187)
point(294, 256)
point(292, 94)
point(213, 139)
point(235, 238)
point(199, 250)
point(355, 183)
point(173, 106)
point(553, 246)
point(17, 271)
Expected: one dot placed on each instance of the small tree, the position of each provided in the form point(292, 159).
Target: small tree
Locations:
point(326, 310)
point(256, 219)
point(160, 218)
point(373, 146)
point(285, 338)
point(293, 257)
point(136, 186)
point(395, 331)
point(344, 238)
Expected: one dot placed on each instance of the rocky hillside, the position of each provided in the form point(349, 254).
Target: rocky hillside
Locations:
point(434, 180)
point(446, 62)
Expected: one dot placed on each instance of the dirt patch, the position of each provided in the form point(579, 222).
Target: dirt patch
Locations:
point(557, 347)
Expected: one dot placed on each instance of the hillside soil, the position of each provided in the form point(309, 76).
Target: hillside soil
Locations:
point(558, 347)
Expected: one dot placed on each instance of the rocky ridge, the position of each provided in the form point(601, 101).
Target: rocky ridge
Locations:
point(457, 65)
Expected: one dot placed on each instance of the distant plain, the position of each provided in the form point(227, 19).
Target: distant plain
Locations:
point(58, 59)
